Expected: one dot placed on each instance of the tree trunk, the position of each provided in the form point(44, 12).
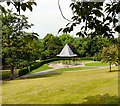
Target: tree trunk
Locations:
point(110, 67)
point(29, 68)
point(12, 73)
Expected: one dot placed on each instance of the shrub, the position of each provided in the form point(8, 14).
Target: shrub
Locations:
point(37, 65)
point(86, 58)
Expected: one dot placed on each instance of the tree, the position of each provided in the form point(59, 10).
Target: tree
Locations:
point(90, 46)
point(66, 39)
point(19, 5)
point(16, 51)
point(51, 46)
point(110, 55)
point(93, 19)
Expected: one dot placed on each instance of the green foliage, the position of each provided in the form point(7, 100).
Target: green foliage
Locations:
point(93, 19)
point(87, 47)
point(19, 5)
point(86, 58)
point(83, 47)
point(19, 48)
point(51, 46)
point(110, 55)
point(66, 39)
point(17, 45)
point(36, 65)
point(97, 57)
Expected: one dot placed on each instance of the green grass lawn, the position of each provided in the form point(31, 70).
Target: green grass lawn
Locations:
point(6, 73)
point(46, 67)
point(96, 63)
point(87, 87)
point(73, 69)
point(41, 68)
point(92, 65)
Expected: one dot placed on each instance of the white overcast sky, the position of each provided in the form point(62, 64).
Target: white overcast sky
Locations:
point(47, 18)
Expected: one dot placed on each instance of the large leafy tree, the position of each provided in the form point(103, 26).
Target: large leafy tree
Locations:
point(66, 39)
point(52, 46)
point(93, 19)
point(90, 46)
point(17, 46)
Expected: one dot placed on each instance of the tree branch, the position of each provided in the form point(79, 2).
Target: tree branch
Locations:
point(62, 12)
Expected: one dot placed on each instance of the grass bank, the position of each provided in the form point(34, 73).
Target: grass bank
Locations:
point(41, 68)
point(97, 64)
point(88, 87)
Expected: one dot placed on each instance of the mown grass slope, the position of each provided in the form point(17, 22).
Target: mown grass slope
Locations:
point(87, 87)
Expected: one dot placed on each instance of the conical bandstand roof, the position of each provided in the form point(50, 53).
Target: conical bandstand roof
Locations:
point(66, 52)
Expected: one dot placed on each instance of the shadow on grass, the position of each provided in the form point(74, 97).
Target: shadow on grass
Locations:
point(42, 75)
point(102, 99)
point(112, 71)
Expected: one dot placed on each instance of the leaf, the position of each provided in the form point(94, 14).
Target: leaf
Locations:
point(34, 3)
point(109, 18)
point(72, 4)
point(117, 29)
point(8, 2)
point(3, 9)
point(74, 24)
point(115, 20)
point(79, 33)
point(82, 27)
point(108, 5)
point(68, 24)
point(97, 13)
point(71, 28)
point(29, 6)
point(60, 30)
point(118, 9)
point(65, 30)
point(23, 6)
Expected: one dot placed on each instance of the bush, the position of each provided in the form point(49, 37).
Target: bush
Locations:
point(37, 65)
point(86, 58)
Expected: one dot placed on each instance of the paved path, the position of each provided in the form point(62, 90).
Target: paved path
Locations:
point(37, 73)
point(50, 71)
point(89, 69)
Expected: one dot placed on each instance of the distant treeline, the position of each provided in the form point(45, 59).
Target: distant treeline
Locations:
point(84, 47)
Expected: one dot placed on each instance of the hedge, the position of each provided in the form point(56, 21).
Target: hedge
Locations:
point(38, 64)
point(86, 58)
